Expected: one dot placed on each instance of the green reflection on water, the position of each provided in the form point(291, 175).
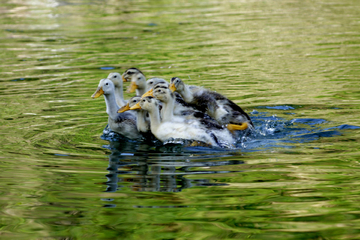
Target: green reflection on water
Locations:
point(55, 170)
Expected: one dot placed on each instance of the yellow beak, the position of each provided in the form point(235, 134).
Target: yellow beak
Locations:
point(99, 91)
point(132, 87)
point(124, 108)
point(136, 106)
point(123, 78)
point(172, 87)
point(236, 127)
point(148, 93)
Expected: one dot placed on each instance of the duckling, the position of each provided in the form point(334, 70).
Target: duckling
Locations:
point(214, 104)
point(174, 104)
point(122, 123)
point(118, 83)
point(180, 107)
point(176, 129)
point(142, 120)
point(138, 81)
point(172, 109)
point(154, 81)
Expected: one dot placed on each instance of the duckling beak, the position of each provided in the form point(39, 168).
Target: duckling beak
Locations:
point(123, 78)
point(133, 86)
point(136, 106)
point(124, 108)
point(236, 127)
point(99, 91)
point(148, 93)
point(172, 87)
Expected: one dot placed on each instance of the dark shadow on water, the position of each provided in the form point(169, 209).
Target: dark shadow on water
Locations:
point(142, 167)
point(154, 167)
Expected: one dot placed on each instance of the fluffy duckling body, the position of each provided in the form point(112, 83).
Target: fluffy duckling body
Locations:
point(122, 123)
point(214, 104)
point(181, 129)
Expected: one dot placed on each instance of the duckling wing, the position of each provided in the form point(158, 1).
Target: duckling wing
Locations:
point(236, 111)
point(125, 124)
point(125, 118)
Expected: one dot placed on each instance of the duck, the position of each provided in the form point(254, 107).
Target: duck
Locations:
point(139, 84)
point(116, 78)
point(172, 128)
point(214, 104)
point(142, 119)
point(122, 123)
point(154, 81)
point(174, 105)
point(172, 108)
point(181, 107)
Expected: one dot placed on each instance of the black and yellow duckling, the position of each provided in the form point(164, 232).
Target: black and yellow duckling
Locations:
point(138, 81)
point(214, 104)
point(177, 128)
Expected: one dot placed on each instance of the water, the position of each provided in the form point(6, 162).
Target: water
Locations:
point(292, 65)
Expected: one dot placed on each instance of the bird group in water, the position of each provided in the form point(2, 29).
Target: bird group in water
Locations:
point(169, 111)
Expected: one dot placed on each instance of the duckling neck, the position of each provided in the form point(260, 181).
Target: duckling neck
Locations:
point(141, 123)
point(168, 112)
point(186, 94)
point(111, 105)
point(119, 96)
point(154, 120)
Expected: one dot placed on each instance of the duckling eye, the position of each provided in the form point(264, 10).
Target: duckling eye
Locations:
point(106, 84)
point(151, 82)
point(139, 78)
point(115, 76)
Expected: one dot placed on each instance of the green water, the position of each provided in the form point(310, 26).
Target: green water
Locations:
point(294, 66)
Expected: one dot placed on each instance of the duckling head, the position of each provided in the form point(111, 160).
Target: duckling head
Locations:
point(153, 81)
point(176, 84)
point(162, 93)
point(129, 73)
point(105, 87)
point(132, 102)
point(116, 79)
point(136, 77)
point(148, 103)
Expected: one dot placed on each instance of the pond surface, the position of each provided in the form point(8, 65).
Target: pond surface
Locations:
point(293, 66)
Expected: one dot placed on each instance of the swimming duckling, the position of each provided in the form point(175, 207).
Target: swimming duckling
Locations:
point(142, 120)
point(138, 81)
point(173, 129)
point(180, 107)
point(118, 83)
point(173, 109)
point(173, 103)
point(122, 123)
point(216, 105)
point(154, 81)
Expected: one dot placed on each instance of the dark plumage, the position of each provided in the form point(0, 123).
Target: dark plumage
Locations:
point(214, 104)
